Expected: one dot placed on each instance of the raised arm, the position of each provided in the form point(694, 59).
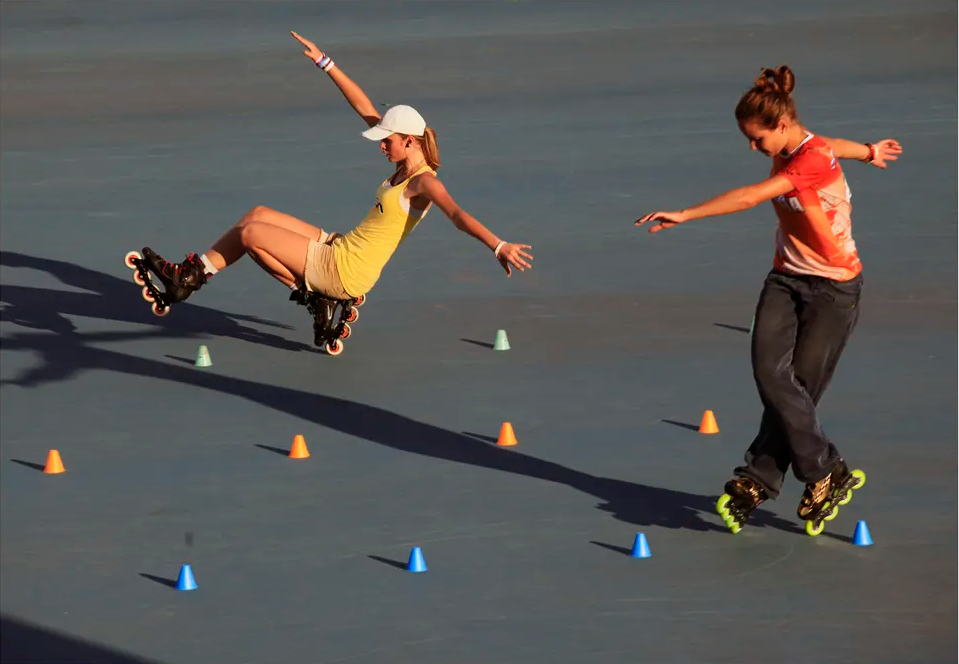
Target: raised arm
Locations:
point(878, 154)
point(354, 93)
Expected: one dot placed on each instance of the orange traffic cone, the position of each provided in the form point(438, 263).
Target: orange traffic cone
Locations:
point(299, 451)
point(708, 424)
point(54, 463)
point(506, 436)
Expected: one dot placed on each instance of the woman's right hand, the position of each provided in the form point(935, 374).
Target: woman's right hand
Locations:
point(311, 51)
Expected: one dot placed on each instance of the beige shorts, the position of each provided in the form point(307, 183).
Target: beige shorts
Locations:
point(320, 271)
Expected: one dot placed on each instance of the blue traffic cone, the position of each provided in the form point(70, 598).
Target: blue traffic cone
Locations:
point(501, 342)
point(417, 563)
point(185, 581)
point(640, 547)
point(861, 536)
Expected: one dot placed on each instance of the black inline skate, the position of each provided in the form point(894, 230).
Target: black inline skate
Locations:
point(820, 501)
point(329, 330)
point(742, 496)
point(179, 279)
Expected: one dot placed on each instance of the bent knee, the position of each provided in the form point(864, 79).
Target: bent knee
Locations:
point(256, 213)
point(250, 234)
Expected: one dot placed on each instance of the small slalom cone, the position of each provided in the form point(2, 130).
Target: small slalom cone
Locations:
point(708, 425)
point(186, 581)
point(861, 536)
point(298, 449)
point(54, 463)
point(501, 342)
point(506, 436)
point(640, 547)
point(203, 357)
point(417, 563)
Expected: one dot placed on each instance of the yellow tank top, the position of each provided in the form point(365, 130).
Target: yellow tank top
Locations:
point(362, 253)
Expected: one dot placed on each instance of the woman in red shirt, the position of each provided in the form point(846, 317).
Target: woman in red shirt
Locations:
point(809, 303)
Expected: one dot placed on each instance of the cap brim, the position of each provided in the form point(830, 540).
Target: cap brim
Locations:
point(376, 133)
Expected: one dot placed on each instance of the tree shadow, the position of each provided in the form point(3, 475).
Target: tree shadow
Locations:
point(67, 352)
point(26, 643)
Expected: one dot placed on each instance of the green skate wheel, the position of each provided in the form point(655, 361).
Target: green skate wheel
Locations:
point(735, 527)
point(833, 512)
point(848, 497)
point(722, 505)
point(860, 478)
point(812, 530)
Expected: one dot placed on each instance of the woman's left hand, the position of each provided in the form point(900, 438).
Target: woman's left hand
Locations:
point(514, 255)
point(887, 150)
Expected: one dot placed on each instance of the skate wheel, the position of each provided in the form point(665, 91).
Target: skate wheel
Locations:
point(722, 505)
point(860, 478)
point(813, 530)
point(346, 331)
point(734, 527)
point(157, 311)
point(353, 316)
point(147, 295)
point(360, 301)
point(137, 279)
point(335, 347)
point(833, 513)
point(128, 259)
point(848, 497)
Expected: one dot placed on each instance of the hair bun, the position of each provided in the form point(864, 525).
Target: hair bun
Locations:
point(779, 80)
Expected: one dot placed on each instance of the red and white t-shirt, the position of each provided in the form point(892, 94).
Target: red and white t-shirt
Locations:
point(815, 226)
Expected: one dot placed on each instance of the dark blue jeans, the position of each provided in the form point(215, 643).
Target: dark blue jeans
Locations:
point(801, 329)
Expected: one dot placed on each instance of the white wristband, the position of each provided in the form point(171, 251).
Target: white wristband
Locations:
point(498, 247)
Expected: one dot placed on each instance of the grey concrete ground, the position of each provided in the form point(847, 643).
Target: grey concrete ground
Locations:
point(132, 124)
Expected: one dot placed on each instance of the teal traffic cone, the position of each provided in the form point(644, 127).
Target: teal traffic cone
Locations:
point(203, 357)
point(501, 342)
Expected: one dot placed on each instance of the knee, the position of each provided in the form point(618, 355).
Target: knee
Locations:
point(249, 233)
point(768, 371)
point(254, 214)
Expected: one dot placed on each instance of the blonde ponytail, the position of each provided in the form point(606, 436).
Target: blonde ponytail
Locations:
point(431, 151)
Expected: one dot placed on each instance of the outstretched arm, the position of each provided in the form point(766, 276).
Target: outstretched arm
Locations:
point(878, 154)
point(734, 200)
point(508, 254)
point(353, 93)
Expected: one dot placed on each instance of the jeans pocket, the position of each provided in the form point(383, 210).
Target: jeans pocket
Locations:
point(844, 294)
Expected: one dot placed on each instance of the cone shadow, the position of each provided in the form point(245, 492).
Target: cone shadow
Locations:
point(169, 583)
point(29, 464)
point(612, 547)
point(737, 328)
point(478, 343)
point(685, 425)
point(386, 561)
point(479, 436)
point(185, 360)
point(278, 450)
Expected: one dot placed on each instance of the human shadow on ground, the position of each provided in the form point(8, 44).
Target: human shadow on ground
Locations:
point(66, 352)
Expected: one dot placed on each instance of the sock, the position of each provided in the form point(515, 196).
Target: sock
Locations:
point(210, 270)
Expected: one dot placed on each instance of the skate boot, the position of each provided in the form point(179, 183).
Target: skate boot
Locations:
point(742, 496)
point(179, 279)
point(821, 500)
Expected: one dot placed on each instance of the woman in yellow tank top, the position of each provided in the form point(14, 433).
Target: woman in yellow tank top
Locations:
point(342, 267)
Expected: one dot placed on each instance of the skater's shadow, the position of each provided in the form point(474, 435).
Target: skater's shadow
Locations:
point(108, 298)
point(66, 352)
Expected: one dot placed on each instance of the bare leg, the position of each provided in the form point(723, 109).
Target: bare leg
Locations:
point(231, 247)
point(279, 251)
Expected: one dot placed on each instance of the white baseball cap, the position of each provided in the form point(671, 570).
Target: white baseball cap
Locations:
point(398, 120)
